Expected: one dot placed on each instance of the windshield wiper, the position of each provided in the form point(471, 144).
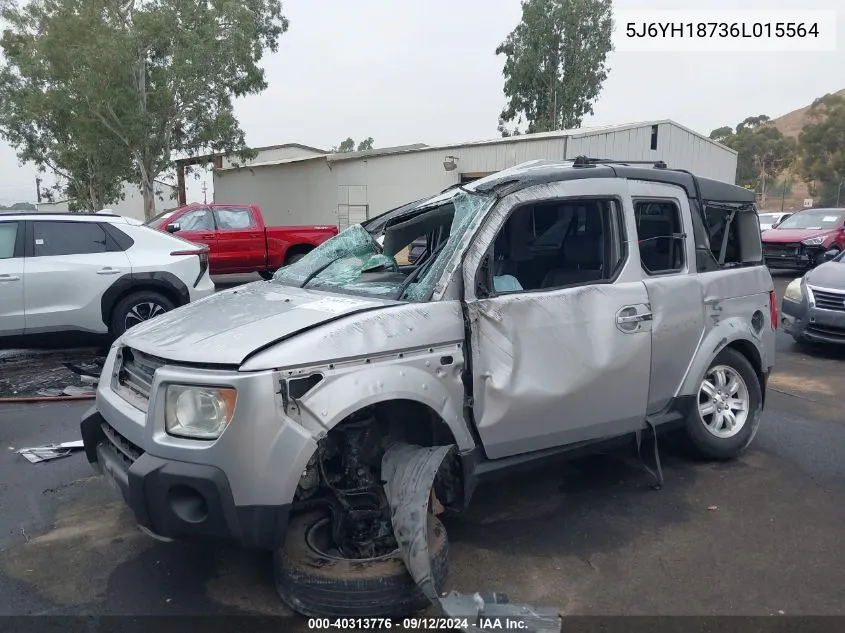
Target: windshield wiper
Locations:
point(413, 276)
point(321, 269)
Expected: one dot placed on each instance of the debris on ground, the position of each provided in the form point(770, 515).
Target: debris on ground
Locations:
point(45, 453)
point(490, 610)
point(60, 374)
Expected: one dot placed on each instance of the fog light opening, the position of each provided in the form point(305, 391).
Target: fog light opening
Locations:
point(187, 504)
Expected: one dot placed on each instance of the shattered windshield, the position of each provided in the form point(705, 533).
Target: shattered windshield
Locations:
point(378, 264)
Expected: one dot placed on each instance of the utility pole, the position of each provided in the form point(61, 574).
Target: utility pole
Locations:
point(38, 189)
point(782, 195)
point(204, 190)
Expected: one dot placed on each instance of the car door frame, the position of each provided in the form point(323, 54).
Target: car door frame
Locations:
point(16, 279)
point(677, 302)
point(248, 260)
point(491, 348)
point(209, 238)
point(87, 318)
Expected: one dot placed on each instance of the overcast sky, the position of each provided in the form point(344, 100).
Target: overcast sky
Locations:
point(407, 71)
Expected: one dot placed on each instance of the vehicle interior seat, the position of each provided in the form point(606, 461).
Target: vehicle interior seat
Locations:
point(579, 261)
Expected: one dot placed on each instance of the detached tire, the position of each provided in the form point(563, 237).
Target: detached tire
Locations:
point(316, 584)
point(136, 308)
point(728, 408)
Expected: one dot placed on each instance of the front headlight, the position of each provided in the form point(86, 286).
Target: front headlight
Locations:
point(813, 241)
point(794, 291)
point(198, 412)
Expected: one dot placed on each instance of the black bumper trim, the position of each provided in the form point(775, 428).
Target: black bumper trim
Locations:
point(181, 500)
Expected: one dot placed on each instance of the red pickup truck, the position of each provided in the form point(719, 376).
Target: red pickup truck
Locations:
point(238, 240)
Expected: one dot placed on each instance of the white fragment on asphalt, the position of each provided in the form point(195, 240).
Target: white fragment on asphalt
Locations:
point(713, 507)
point(45, 453)
point(70, 390)
point(780, 612)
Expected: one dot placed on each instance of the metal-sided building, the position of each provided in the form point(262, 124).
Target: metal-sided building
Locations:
point(296, 184)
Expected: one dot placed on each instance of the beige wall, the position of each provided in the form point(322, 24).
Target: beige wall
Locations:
point(311, 191)
point(132, 204)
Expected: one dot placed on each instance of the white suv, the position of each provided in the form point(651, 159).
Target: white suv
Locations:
point(93, 273)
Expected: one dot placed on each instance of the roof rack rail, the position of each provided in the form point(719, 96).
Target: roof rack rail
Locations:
point(586, 161)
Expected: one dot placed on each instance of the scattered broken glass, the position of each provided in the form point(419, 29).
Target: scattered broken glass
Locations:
point(356, 262)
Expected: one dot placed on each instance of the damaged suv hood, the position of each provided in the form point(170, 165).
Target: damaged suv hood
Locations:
point(225, 328)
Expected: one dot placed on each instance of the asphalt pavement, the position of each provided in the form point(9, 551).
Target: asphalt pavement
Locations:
point(762, 535)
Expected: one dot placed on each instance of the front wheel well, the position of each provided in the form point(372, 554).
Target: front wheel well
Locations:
point(354, 448)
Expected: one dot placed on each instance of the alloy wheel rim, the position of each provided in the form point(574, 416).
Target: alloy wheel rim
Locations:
point(723, 401)
point(142, 312)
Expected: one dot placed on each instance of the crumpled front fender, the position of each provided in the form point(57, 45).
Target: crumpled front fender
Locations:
point(409, 472)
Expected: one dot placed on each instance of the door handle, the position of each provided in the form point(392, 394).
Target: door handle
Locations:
point(9, 278)
point(634, 318)
point(108, 271)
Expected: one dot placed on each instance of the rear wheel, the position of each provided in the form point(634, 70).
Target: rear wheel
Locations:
point(267, 274)
point(296, 254)
point(314, 579)
point(728, 407)
point(138, 307)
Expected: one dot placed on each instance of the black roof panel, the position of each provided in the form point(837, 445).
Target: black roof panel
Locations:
point(515, 179)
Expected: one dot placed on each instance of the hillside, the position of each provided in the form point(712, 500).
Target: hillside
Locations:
point(791, 124)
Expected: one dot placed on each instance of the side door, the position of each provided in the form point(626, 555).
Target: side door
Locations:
point(560, 342)
point(68, 267)
point(666, 244)
point(240, 239)
point(12, 282)
point(196, 225)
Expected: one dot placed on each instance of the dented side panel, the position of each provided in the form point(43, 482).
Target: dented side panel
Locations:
point(411, 351)
point(551, 367)
point(731, 298)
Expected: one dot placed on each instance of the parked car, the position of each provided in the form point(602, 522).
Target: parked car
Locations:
point(93, 273)
point(237, 238)
point(813, 307)
point(561, 309)
point(802, 240)
point(772, 219)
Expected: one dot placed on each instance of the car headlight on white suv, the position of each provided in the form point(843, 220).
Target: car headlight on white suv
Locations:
point(198, 412)
point(794, 291)
point(813, 241)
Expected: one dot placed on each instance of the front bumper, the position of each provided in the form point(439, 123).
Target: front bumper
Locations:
point(791, 256)
point(175, 499)
point(809, 323)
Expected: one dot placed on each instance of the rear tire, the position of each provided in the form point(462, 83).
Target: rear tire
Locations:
point(267, 275)
point(728, 408)
point(297, 254)
point(136, 308)
point(319, 585)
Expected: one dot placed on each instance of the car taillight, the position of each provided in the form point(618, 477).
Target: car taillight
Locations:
point(773, 309)
point(202, 254)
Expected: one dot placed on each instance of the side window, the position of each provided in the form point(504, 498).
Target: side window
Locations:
point(558, 244)
point(67, 238)
point(660, 236)
point(233, 218)
point(8, 239)
point(196, 220)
